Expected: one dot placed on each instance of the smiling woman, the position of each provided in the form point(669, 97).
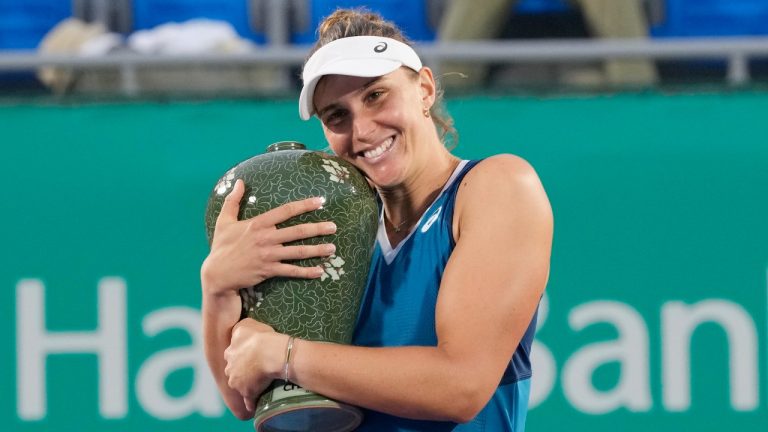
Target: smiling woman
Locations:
point(460, 262)
point(342, 24)
point(378, 125)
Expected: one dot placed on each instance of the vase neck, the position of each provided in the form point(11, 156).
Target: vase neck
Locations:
point(286, 145)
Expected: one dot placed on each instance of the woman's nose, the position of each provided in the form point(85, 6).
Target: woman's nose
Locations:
point(363, 128)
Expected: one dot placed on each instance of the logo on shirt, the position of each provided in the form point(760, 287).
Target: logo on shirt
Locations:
point(431, 220)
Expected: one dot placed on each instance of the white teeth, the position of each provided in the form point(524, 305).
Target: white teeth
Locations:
point(380, 149)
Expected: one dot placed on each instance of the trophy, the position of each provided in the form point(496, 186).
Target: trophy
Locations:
point(323, 309)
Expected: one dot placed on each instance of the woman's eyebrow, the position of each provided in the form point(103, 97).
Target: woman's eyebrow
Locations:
point(327, 108)
point(370, 83)
point(333, 105)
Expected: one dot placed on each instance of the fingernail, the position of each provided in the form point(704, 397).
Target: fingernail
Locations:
point(331, 227)
point(320, 201)
point(330, 249)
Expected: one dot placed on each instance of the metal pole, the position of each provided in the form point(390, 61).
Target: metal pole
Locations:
point(101, 12)
point(123, 16)
point(129, 84)
point(79, 9)
point(738, 69)
point(278, 36)
point(277, 23)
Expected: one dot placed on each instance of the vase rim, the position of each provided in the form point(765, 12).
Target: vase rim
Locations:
point(285, 145)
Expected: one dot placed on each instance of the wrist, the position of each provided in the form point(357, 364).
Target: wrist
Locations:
point(211, 283)
point(282, 367)
point(220, 297)
point(212, 289)
point(288, 356)
point(222, 308)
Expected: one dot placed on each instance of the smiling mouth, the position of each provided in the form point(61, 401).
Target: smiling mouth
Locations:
point(378, 151)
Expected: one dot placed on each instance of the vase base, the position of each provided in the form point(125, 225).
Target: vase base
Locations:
point(309, 413)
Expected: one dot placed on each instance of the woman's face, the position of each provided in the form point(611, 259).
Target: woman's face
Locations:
point(378, 124)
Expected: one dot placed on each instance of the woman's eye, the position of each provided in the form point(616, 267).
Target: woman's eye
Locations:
point(374, 95)
point(333, 117)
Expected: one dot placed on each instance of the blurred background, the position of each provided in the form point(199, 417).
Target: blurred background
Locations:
point(647, 121)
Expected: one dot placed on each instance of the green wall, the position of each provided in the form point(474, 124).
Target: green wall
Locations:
point(659, 267)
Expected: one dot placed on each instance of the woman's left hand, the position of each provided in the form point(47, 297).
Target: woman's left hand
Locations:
point(254, 359)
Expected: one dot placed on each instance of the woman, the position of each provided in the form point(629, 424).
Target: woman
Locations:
point(461, 260)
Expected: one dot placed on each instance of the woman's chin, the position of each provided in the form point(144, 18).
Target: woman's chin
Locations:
point(384, 179)
point(384, 171)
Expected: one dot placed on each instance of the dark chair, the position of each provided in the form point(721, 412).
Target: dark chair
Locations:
point(692, 18)
point(541, 6)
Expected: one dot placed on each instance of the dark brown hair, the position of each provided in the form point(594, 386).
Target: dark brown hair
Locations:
point(362, 22)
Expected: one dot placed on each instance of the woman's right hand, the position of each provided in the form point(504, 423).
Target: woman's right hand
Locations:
point(245, 253)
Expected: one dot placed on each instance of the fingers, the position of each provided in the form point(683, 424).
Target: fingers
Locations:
point(231, 207)
point(291, 253)
point(238, 325)
point(294, 271)
point(250, 404)
point(298, 232)
point(291, 209)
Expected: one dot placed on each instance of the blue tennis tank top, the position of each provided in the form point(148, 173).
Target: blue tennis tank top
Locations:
point(398, 309)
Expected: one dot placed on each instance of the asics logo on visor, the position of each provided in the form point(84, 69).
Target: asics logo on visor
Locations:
point(381, 47)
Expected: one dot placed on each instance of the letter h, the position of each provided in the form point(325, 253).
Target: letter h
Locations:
point(34, 343)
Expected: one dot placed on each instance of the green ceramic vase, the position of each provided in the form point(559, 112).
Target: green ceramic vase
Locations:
point(323, 309)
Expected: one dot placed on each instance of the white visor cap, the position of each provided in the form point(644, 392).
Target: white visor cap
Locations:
point(359, 56)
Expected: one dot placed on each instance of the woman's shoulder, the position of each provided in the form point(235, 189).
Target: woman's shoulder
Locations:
point(500, 183)
point(501, 170)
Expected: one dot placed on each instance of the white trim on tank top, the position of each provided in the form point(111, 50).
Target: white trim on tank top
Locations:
point(387, 252)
